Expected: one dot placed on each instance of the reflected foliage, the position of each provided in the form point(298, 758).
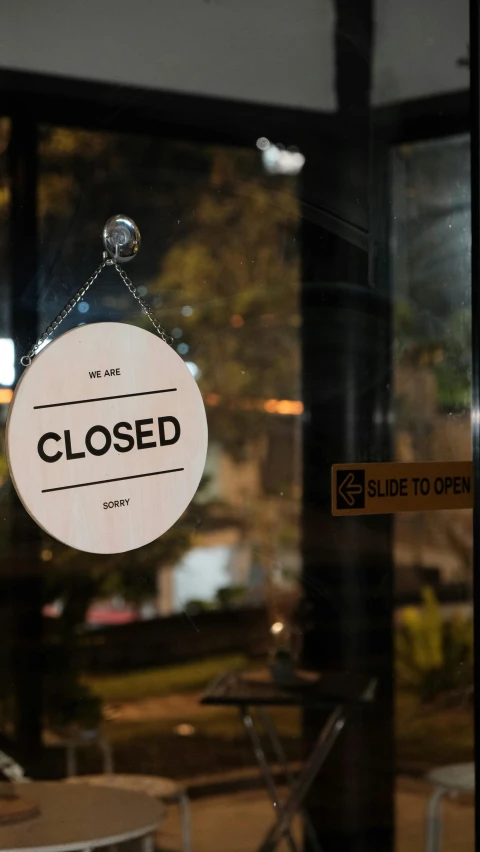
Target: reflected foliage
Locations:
point(219, 263)
point(431, 266)
point(435, 653)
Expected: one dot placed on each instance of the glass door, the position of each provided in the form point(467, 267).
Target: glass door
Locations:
point(278, 676)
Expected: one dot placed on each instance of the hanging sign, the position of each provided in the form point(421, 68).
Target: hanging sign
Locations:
point(378, 489)
point(106, 438)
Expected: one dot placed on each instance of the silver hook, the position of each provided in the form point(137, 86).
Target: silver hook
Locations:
point(121, 238)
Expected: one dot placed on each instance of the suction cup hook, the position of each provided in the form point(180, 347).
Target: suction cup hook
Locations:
point(121, 238)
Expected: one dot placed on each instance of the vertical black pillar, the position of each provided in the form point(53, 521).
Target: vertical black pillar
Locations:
point(22, 576)
point(347, 562)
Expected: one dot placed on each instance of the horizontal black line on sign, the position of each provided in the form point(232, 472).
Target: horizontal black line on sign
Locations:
point(103, 398)
point(117, 479)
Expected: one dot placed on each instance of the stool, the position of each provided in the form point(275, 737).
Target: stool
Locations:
point(446, 781)
point(71, 741)
point(152, 785)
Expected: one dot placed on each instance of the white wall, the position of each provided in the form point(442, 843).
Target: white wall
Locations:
point(418, 43)
point(270, 51)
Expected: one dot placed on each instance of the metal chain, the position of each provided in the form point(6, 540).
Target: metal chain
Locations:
point(26, 360)
point(144, 306)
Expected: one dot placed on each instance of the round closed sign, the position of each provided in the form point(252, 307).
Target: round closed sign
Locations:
point(106, 438)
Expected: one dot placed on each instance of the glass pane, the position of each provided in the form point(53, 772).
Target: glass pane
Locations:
point(4, 236)
point(431, 243)
point(6, 381)
point(220, 264)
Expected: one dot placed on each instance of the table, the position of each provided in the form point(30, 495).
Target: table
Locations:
point(337, 693)
point(81, 817)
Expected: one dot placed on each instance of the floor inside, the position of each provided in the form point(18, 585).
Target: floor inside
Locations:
point(237, 822)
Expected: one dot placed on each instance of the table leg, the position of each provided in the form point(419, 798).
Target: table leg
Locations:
point(71, 760)
point(106, 749)
point(323, 746)
point(147, 843)
point(267, 774)
point(184, 805)
point(280, 755)
point(434, 820)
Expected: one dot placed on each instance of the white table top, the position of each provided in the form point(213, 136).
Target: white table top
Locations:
point(77, 817)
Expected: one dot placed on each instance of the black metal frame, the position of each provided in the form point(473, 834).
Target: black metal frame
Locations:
point(32, 99)
point(105, 106)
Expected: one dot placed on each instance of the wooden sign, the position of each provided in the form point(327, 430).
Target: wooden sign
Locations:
point(378, 489)
point(106, 438)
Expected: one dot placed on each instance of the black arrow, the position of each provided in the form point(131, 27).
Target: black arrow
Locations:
point(348, 489)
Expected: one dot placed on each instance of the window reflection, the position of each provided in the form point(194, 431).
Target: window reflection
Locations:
point(220, 264)
point(4, 228)
point(6, 707)
point(432, 373)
